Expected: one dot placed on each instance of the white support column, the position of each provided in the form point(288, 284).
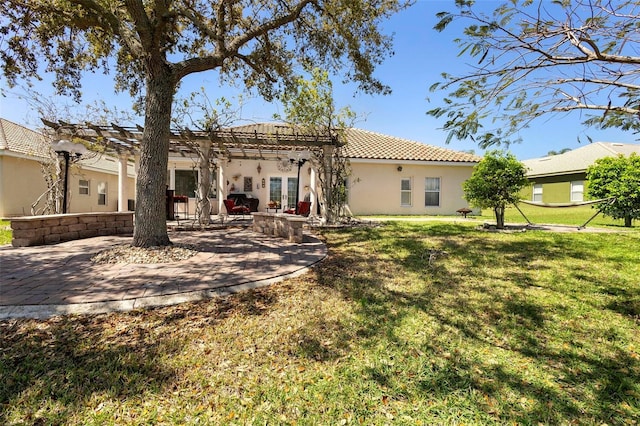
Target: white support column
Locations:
point(123, 160)
point(222, 185)
point(313, 190)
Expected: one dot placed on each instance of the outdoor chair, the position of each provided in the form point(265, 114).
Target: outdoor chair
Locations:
point(233, 209)
point(304, 208)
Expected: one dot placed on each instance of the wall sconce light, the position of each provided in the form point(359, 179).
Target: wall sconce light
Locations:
point(399, 168)
point(259, 168)
point(263, 182)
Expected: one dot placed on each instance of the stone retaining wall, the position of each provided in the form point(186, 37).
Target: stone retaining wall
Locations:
point(39, 230)
point(279, 224)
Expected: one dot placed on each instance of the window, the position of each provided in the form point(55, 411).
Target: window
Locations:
point(83, 187)
point(432, 192)
point(537, 192)
point(186, 183)
point(102, 193)
point(577, 190)
point(405, 192)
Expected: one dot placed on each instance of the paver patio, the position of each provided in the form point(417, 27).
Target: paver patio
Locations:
point(58, 279)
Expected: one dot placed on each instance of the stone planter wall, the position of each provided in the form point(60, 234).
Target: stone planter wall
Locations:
point(280, 225)
point(39, 230)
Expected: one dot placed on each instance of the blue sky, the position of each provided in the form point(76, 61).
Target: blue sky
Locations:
point(421, 55)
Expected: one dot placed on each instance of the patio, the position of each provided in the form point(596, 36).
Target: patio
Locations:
point(39, 282)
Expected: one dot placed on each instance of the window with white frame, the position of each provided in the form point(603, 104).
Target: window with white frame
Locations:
point(102, 193)
point(537, 192)
point(83, 187)
point(405, 192)
point(577, 190)
point(432, 192)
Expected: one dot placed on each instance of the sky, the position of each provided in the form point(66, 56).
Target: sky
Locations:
point(420, 56)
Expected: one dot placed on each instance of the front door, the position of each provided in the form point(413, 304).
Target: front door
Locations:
point(282, 189)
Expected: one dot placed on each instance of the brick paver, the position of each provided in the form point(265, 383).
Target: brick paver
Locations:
point(57, 279)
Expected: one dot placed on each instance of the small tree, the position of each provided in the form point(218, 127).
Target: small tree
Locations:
point(617, 177)
point(310, 107)
point(495, 182)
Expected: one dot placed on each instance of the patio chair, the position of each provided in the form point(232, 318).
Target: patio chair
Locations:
point(304, 208)
point(233, 209)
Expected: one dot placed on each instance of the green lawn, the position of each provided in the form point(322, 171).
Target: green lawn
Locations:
point(566, 216)
point(407, 323)
point(5, 232)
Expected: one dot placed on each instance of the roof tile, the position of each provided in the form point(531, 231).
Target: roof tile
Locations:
point(371, 145)
point(19, 139)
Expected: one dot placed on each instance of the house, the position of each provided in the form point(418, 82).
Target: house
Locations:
point(26, 154)
point(562, 178)
point(265, 163)
point(395, 176)
point(389, 175)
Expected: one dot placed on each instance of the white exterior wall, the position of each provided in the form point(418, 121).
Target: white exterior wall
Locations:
point(374, 187)
point(21, 183)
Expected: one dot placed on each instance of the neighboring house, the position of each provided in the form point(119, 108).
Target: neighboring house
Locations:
point(92, 183)
point(562, 178)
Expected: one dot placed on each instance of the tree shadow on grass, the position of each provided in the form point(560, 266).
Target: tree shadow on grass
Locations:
point(69, 361)
point(64, 362)
point(478, 292)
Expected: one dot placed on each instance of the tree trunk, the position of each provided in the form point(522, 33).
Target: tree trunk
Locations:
point(499, 211)
point(627, 221)
point(151, 221)
point(205, 152)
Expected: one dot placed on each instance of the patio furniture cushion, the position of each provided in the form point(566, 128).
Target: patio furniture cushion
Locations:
point(232, 209)
point(241, 199)
point(304, 208)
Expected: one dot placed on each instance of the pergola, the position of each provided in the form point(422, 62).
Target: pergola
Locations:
point(251, 142)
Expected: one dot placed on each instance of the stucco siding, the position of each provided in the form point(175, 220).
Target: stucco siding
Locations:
point(22, 183)
point(376, 188)
point(556, 189)
point(81, 203)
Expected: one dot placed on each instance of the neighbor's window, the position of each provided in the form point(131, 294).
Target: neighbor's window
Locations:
point(186, 183)
point(577, 190)
point(83, 187)
point(102, 193)
point(405, 192)
point(432, 192)
point(537, 192)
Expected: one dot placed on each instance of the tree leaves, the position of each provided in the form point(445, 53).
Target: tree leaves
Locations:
point(617, 177)
point(523, 47)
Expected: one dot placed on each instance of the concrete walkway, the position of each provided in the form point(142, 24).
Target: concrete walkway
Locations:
point(39, 282)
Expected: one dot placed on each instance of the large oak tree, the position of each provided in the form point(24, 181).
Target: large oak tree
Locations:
point(153, 44)
point(538, 57)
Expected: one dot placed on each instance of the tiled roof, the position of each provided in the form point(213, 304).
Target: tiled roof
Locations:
point(20, 140)
point(370, 145)
point(577, 160)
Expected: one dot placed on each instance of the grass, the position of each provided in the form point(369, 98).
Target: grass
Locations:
point(564, 216)
point(407, 323)
point(5, 232)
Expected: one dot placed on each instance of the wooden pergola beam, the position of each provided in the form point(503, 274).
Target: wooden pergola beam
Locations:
point(118, 138)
